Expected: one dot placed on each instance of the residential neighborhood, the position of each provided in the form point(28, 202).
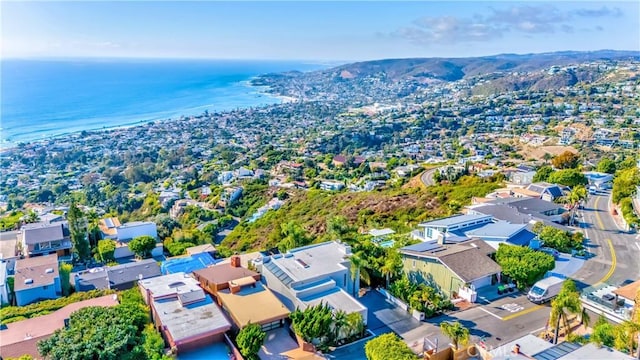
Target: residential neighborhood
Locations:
point(445, 209)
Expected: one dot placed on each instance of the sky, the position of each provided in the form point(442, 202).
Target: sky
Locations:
point(306, 30)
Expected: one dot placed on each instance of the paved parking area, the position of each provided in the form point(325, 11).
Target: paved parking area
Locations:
point(279, 345)
point(384, 317)
point(567, 265)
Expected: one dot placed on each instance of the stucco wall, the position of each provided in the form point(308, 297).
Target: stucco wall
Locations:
point(128, 233)
point(28, 296)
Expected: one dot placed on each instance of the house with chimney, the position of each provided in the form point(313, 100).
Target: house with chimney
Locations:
point(184, 314)
point(240, 293)
point(37, 278)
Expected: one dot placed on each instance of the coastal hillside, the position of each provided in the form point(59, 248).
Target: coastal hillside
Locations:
point(313, 211)
point(508, 72)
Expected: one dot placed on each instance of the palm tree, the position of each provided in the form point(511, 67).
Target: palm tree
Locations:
point(358, 271)
point(577, 194)
point(546, 157)
point(458, 334)
point(391, 266)
point(584, 318)
point(631, 329)
point(567, 302)
point(94, 229)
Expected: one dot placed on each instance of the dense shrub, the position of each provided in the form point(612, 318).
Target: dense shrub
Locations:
point(16, 313)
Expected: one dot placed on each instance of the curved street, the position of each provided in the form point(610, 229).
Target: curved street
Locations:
point(427, 177)
point(617, 252)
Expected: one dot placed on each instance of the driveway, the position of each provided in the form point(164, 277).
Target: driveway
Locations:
point(384, 317)
point(567, 265)
point(280, 345)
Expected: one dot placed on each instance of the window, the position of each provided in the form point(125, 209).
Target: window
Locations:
point(429, 232)
point(344, 282)
point(414, 264)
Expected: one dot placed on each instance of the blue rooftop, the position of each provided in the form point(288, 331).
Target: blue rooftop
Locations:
point(187, 264)
point(522, 238)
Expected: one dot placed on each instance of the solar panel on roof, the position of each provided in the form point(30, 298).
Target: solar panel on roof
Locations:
point(425, 246)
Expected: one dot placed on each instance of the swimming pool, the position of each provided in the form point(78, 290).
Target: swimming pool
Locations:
point(217, 351)
point(387, 244)
point(187, 264)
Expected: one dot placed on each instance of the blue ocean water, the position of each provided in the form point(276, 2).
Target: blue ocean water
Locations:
point(42, 98)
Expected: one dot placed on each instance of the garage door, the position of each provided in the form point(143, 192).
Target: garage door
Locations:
point(486, 281)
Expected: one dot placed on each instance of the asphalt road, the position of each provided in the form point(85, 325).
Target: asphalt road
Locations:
point(427, 177)
point(617, 253)
point(617, 259)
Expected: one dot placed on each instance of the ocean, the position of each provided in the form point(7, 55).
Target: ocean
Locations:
point(44, 98)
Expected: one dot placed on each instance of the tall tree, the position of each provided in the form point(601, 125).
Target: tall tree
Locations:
point(78, 229)
point(294, 236)
point(607, 165)
point(458, 334)
point(94, 230)
point(566, 160)
point(358, 271)
point(542, 174)
point(142, 246)
point(392, 265)
point(105, 250)
point(568, 177)
point(567, 302)
point(65, 272)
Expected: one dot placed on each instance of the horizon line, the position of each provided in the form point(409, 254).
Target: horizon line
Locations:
point(90, 57)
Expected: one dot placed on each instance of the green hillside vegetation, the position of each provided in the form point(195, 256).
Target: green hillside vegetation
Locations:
point(399, 209)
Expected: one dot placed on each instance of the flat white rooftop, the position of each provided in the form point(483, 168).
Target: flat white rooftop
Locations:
point(310, 262)
point(337, 299)
point(171, 284)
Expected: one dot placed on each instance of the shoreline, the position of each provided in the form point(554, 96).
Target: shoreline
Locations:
point(262, 91)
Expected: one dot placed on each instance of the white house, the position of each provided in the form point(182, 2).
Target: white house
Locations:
point(111, 228)
point(313, 274)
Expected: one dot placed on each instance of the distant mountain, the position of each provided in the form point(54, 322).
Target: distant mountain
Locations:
point(399, 77)
point(451, 69)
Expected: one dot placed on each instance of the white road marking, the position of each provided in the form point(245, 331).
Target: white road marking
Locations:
point(638, 245)
point(490, 313)
point(512, 308)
